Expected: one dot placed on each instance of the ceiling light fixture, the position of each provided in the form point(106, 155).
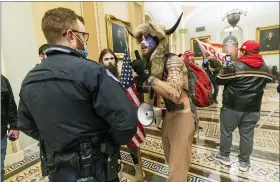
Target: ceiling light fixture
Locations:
point(233, 16)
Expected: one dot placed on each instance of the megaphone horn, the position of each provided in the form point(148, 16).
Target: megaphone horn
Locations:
point(146, 114)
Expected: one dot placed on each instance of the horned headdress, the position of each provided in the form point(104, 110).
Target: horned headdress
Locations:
point(157, 58)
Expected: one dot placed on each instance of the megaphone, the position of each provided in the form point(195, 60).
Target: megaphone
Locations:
point(147, 113)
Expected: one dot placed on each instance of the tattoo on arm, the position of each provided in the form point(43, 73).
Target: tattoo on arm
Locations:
point(169, 91)
point(175, 70)
point(152, 81)
point(175, 73)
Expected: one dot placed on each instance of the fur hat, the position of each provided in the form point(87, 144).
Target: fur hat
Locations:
point(156, 62)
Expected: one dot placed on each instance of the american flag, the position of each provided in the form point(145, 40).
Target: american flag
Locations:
point(128, 83)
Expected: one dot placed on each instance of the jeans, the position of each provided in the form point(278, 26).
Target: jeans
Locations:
point(246, 122)
point(3, 155)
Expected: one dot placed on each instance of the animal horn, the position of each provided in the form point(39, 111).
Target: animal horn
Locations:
point(130, 33)
point(152, 26)
point(171, 30)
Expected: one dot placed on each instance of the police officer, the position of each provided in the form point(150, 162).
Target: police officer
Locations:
point(67, 101)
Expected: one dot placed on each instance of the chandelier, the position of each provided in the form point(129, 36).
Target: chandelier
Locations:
point(233, 16)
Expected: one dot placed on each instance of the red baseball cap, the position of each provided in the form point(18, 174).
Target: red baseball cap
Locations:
point(250, 45)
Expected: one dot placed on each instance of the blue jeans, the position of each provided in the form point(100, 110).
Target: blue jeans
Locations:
point(3, 155)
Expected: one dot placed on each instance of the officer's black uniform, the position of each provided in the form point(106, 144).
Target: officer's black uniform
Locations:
point(68, 97)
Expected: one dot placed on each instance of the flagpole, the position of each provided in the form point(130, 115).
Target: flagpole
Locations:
point(129, 76)
point(139, 154)
point(140, 162)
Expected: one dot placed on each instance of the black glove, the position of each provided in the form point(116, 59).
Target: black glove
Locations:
point(140, 68)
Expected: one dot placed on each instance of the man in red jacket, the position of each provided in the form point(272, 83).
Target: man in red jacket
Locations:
point(244, 81)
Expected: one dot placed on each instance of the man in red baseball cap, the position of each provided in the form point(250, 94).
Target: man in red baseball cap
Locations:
point(244, 81)
point(251, 46)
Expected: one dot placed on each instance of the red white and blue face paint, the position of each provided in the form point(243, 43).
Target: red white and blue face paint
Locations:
point(148, 44)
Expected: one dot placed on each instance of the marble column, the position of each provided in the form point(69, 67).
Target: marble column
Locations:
point(183, 40)
point(20, 55)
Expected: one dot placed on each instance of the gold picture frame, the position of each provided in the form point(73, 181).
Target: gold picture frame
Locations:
point(268, 45)
point(115, 42)
point(195, 48)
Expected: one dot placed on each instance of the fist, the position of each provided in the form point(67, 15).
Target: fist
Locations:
point(140, 68)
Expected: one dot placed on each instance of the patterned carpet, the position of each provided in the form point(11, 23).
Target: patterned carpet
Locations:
point(264, 159)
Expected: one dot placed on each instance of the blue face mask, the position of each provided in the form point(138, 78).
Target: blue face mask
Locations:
point(84, 52)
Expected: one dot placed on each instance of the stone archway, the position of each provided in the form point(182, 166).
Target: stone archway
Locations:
point(231, 38)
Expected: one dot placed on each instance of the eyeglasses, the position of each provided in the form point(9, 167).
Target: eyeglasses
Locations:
point(85, 34)
point(107, 59)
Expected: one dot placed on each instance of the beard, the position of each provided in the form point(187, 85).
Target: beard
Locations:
point(146, 56)
point(114, 70)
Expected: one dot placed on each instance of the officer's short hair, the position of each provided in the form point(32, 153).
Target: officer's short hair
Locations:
point(81, 19)
point(57, 21)
point(43, 48)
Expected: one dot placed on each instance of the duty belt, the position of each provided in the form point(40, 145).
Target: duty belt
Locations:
point(82, 159)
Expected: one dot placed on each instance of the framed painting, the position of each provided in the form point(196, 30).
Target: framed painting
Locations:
point(268, 37)
point(117, 35)
point(195, 47)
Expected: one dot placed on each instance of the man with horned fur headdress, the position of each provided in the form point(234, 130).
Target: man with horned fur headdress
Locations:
point(167, 75)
